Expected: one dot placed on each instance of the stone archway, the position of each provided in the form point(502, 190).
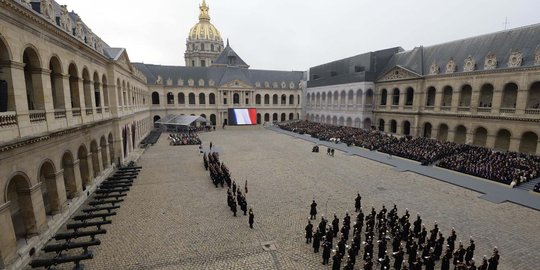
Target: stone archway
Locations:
point(528, 143)
point(70, 182)
point(104, 158)
point(502, 141)
point(95, 158)
point(460, 135)
point(111, 147)
point(84, 167)
point(53, 192)
point(480, 137)
point(27, 215)
point(443, 133)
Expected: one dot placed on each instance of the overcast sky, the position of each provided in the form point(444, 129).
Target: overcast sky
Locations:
point(296, 34)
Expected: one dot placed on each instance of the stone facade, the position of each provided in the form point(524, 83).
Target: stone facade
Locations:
point(343, 104)
point(72, 105)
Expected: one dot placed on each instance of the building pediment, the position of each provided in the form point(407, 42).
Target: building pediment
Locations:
point(238, 84)
point(398, 73)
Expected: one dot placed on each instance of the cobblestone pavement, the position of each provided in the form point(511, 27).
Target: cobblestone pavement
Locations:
point(174, 218)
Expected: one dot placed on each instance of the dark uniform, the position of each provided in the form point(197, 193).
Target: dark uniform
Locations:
point(309, 232)
point(358, 202)
point(316, 241)
point(326, 252)
point(251, 218)
point(335, 225)
point(313, 211)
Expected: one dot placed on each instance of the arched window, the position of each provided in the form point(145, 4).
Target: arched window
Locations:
point(258, 99)
point(267, 100)
point(284, 99)
point(395, 97)
point(275, 100)
point(291, 99)
point(155, 98)
point(430, 101)
point(191, 98)
point(34, 91)
point(236, 98)
point(57, 85)
point(181, 99)
point(465, 96)
point(384, 95)
point(447, 96)
point(202, 98)
point(212, 99)
point(409, 99)
point(170, 98)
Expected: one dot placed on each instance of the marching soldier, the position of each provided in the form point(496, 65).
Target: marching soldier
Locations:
point(326, 252)
point(335, 225)
point(336, 265)
point(494, 260)
point(469, 253)
point(398, 258)
point(309, 232)
point(445, 262)
point(251, 218)
point(313, 211)
point(316, 241)
point(358, 202)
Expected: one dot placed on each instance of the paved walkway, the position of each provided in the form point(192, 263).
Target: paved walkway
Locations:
point(492, 191)
point(174, 218)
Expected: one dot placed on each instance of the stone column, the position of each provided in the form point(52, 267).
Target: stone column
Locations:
point(33, 209)
point(58, 191)
point(108, 153)
point(44, 96)
point(521, 102)
point(90, 162)
point(100, 160)
point(78, 179)
point(497, 100)
point(19, 97)
point(8, 241)
point(514, 144)
point(455, 100)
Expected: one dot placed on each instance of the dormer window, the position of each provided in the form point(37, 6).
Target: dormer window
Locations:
point(232, 61)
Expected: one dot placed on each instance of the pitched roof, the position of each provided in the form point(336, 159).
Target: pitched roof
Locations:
point(220, 75)
point(500, 44)
point(223, 58)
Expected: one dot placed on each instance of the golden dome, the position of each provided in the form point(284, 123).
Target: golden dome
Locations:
point(204, 30)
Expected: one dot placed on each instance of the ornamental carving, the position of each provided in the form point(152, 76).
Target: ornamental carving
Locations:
point(398, 73)
point(191, 82)
point(515, 59)
point(451, 66)
point(47, 10)
point(26, 3)
point(258, 84)
point(537, 57)
point(490, 62)
point(169, 81)
point(159, 80)
point(180, 82)
point(201, 83)
point(291, 85)
point(469, 64)
point(211, 83)
point(99, 45)
point(434, 69)
point(65, 20)
point(79, 29)
point(283, 85)
point(266, 84)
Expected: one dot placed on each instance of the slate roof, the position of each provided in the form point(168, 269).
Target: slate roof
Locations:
point(359, 68)
point(524, 39)
point(220, 75)
point(223, 58)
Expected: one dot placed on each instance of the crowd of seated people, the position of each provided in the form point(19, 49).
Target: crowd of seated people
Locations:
point(190, 138)
point(505, 167)
point(423, 150)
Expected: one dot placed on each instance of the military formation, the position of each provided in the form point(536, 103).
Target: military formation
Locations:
point(220, 175)
point(412, 246)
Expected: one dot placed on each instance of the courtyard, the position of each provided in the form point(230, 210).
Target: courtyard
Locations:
point(174, 218)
